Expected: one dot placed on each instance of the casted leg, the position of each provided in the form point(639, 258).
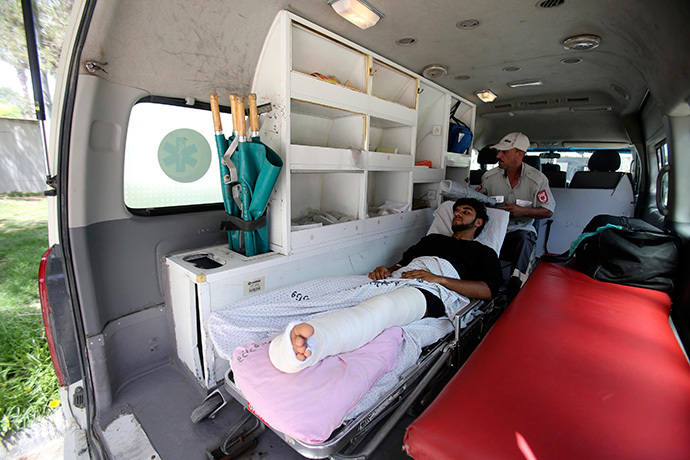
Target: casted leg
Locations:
point(345, 330)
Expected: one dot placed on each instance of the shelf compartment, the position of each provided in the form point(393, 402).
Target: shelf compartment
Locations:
point(331, 192)
point(393, 85)
point(323, 126)
point(311, 89)
point(393, 222)
point(457, 160)
point(380, 161)
point(309, 158)
point(386, 136)
point(432, 126)
point(425, 195)
point(311, 238)
point(388, 185)
point(313, 52)
point(423, 174)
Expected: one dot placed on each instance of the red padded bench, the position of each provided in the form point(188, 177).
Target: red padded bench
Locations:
point(574, 369)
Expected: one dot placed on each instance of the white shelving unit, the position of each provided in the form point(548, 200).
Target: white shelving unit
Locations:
point(349, 125)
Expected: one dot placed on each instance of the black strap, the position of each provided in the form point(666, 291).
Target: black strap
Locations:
point(547, 233)
point(236, 223)
point(453, 118)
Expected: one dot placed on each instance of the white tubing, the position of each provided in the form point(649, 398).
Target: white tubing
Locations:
point(350, 328)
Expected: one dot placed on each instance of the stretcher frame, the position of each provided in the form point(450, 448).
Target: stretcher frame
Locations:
point(396, 401)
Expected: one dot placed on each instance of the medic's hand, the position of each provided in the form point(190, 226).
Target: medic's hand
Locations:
point(380, 273)
point(422, 275)
point(513, 209)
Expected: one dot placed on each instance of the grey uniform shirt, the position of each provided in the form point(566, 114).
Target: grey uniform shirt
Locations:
point(532, 191)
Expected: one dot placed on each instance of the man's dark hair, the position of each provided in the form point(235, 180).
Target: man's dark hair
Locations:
point(478, 207)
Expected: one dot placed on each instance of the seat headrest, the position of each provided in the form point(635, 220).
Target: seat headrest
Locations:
point(533, 161)
point(604, 160)
point(487, 156)
point(550, 167)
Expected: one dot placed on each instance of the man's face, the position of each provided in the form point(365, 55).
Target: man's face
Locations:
point(509, 159)
point(464, 217)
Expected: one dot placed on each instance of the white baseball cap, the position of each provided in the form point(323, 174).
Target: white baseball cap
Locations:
point(513, 140)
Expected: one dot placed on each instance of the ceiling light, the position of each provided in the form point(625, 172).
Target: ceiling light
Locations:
point(434, 71)
point(358, 12)
point(486, 95)
point(582, 42)
point(520, 84)
point(462, 77)
point(511, 69)
point(571, 61)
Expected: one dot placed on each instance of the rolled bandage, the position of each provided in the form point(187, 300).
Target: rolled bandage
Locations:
point(350, 328)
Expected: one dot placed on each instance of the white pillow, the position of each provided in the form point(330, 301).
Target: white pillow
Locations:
point(492, 235)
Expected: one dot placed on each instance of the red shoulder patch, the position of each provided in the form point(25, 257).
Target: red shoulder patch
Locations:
point(543, 197)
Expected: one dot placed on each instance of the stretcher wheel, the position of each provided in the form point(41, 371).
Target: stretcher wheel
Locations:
point(206, 408)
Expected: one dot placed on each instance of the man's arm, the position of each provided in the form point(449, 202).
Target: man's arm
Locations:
point(536, 213)
point(474, 289)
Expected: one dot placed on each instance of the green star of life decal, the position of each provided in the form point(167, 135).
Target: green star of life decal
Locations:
point(184, 155)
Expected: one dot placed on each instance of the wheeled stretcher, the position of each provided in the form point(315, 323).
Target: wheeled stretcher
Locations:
point(391, 396)
point(390, 408)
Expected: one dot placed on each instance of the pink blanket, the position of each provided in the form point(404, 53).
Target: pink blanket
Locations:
point(310, 404)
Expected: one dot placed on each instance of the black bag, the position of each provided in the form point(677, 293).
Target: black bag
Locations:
point(637, 254)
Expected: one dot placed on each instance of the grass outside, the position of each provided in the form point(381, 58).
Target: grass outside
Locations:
point(28, 386)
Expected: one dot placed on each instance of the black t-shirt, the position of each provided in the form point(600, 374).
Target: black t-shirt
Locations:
point(472, 260)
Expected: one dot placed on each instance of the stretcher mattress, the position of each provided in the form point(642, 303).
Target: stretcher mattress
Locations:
point(575, 368)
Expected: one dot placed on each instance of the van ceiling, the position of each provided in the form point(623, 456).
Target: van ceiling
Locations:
point(203, 46)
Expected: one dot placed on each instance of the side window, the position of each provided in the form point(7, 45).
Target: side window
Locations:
point(170, 157)
point(662, 161)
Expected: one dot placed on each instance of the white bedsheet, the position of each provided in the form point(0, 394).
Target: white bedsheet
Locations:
point(268, 314)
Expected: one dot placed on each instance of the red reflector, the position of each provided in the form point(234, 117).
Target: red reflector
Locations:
point(45, 311)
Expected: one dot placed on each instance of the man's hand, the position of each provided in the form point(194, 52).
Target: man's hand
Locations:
point(422, 275)
point(514, 210)
point(380, 273)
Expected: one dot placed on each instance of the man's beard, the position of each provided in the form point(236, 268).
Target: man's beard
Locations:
point(461, 227)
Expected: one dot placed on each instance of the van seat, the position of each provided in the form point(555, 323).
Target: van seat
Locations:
point(602, 173)
point(575, 368)
point(554, 174)
point(532, 160)
point(486, 156)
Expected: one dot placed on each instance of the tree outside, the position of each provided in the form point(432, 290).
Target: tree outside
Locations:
point(51, 18)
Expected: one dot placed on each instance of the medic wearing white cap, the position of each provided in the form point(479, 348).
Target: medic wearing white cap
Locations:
point(523, 191)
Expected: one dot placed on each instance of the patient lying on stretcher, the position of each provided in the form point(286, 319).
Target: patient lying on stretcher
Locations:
point(306, 343)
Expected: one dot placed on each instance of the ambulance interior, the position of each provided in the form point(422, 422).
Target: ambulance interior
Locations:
point(360, 119)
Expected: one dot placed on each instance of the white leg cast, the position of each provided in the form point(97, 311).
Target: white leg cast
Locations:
point(350, 328)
